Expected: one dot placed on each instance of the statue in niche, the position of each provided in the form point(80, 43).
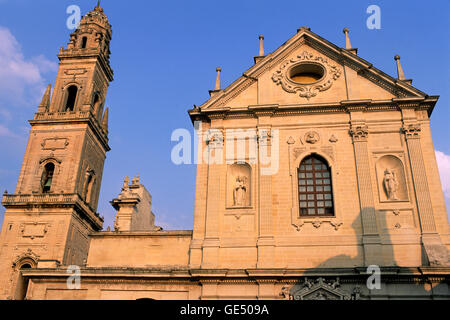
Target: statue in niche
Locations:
point(240, 191)
point(390, 184)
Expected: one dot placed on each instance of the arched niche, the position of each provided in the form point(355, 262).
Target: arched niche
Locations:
point(97, 102)
point(88, 186)
point(239, 185)
point(391, 179)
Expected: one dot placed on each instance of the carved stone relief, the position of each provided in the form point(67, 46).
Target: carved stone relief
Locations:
point(55, 143)
point(333, 139)
point(317, 223)
point(307, 90)
point(312, 137)
point(29, 254)
point(214, 139)
point(320, 289)
point(33, 230)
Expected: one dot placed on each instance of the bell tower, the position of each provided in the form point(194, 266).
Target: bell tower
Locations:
point(53, 210)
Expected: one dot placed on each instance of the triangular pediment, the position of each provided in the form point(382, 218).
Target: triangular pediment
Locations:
point(345, 77)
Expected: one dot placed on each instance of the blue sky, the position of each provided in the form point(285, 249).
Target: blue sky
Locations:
point(164, 54)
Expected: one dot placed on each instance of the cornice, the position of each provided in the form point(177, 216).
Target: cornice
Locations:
point(150, 234)
point(178, 274)
point(345, 106)
point(57, 200)
point(73, 117)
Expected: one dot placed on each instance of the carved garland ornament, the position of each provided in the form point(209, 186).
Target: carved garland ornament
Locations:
point(320, 289)
point(306, 90)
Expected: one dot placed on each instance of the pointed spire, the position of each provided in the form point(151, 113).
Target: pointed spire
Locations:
point(348, 45)
point(217, 87)
point(400, 74)
point(45, 103)
point(261, 45)
point(105, 120)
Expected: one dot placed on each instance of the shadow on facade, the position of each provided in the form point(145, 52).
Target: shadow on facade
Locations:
point(345, 277)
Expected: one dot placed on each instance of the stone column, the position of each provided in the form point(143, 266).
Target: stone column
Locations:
point(435, 251)
point(371, 238)
point(266, 243)
point(211, 241)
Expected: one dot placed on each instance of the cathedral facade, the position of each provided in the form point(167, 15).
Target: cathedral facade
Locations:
point(316, 179)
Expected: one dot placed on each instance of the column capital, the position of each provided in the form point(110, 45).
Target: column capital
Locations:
point(214, 139)
point(412, 131)
point(265, 136)
point(359, 133)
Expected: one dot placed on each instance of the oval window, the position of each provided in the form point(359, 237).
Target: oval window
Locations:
point(306, 73)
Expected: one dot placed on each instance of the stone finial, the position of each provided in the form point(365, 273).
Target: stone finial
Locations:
point(45, 103)
point(400, 74)
point(261, 45)
point(348, 45)
point(6, 192)
point(218, 70)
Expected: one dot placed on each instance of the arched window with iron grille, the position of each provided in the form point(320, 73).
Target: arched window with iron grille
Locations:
point(315, 190)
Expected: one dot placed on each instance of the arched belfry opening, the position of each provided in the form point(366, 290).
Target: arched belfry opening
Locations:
point(71, 98)
point(84, 42)
point(47, 177)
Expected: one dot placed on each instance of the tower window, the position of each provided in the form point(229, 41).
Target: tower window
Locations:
point(83, 42)
point(314, 187)
point(47, 177)
point(71, 98)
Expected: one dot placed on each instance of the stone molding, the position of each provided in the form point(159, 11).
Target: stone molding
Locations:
point(281, 76)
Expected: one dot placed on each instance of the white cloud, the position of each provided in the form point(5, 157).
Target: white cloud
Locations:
point(443, 161)
point(21, 80)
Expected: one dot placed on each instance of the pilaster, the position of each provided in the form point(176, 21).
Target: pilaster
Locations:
point(213, 204)
point(435, 251)
point(371, 238)
point(266, 242)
